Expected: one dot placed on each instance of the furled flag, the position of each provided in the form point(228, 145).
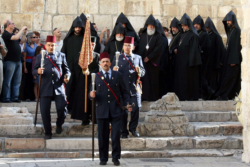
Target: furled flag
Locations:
point(86, 55)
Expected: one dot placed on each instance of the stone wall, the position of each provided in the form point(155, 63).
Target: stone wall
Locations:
point(245, 84)
point(61, 13)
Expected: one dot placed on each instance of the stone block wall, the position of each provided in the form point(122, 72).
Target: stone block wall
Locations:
point(45, 15)
point(245, 84)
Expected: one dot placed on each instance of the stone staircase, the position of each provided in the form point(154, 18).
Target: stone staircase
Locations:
point(213, 131)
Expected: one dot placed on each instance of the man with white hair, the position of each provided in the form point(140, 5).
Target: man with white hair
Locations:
point(150, 48)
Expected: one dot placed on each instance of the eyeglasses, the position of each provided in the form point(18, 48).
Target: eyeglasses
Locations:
point(34, 37)
point(12, 23)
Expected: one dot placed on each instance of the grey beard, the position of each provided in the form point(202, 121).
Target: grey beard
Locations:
point(176, 32)
point(119, 38)
point(151, 32)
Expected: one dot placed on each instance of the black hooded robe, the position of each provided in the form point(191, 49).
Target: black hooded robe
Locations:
point(188, 60)
point(171, 60)
point(129, 28)
point(163, 82)
point(205, 45)
point(231, 75)
point(150, 82)
point(113, 45)
point(216, 54)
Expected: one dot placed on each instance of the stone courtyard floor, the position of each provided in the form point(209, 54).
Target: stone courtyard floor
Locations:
point(234, 161)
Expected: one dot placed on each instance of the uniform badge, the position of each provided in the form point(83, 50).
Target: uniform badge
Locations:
point(123, 58)
point(102, 78)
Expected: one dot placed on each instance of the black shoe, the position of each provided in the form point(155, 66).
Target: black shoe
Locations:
point(103, 163)
point(116, 162)
point(85, 123)
point(135, 133)
point(59, 129)
point(124, 136)
point(47, 137)
point(7, 101)
point(222, 99)
point(17, 101)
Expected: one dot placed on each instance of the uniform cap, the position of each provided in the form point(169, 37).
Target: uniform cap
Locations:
point(129, 40)
point(104, 55)
point(51, 38)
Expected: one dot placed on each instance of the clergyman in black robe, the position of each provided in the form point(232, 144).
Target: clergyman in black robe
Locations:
point(231, 70)
point(150, 48)
point(188, 60)
point(216, 54)
point(205, 91)
point(163, 82)
point(115, 43)
point(75, 88)
point(176, 32)
point(128, 27)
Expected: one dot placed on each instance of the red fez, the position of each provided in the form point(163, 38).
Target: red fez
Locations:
point(104, 55)
point(51, 38)
point(129, 40)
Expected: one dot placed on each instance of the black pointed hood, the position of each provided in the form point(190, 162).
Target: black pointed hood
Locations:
point(76, 23)
point(84, 20)
point(151, 20)
point(123, 19)
point(209, 24)
point(175, 23)
point(187, 21)
point(230, 17)
point(161, 28)
point(199, 20)
point(119, 29)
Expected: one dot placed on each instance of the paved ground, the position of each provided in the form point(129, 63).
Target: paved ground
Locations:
point(154, 162)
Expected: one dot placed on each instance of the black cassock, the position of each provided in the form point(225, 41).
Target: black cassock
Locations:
point(188, 60)
point(75, 88)
point(171, 60)
point(163, 80)
point(129, 28)
point(150, 82)
point(216, 54)
point(113, 45)
point(205, 44)
point(231, 75)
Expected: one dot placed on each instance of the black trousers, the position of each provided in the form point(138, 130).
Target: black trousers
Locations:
point(45, 105)
point(28, 83)
point(134, 118)
point(103, 138)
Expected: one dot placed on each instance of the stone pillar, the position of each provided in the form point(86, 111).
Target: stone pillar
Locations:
point(245, 85)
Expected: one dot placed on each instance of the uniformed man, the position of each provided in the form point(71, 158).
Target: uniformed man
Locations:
point(54, 73)
point(109, 87)
point(131, 67)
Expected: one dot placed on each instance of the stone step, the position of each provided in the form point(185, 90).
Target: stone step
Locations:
point(77, 130)
point(129, 144)
point(211, 116)
point(127, 154)
point(185, 106)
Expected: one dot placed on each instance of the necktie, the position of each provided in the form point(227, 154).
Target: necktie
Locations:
point(107, 77)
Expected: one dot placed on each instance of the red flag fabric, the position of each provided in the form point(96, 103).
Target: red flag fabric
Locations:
point(86, 55)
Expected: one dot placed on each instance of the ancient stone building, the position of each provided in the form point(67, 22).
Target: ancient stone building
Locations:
point(44, 15)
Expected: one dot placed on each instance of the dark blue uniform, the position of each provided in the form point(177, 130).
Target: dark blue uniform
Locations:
point(52, 86)
point(130, 78)
point(108, 110)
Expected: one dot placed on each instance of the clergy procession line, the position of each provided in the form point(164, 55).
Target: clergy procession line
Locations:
point(133, 68)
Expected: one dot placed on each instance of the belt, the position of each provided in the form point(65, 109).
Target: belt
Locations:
point(29, 57)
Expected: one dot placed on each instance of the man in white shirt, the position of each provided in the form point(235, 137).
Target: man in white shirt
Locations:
point(59, 42)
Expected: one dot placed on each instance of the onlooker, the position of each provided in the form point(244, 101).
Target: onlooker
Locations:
point(29, 53)
point(166, 30)
point(36, 78)
point(102, 40)
point(12, 62)
point(3, 52)
point(59, 43)
point(15, 31)
point(37, 34)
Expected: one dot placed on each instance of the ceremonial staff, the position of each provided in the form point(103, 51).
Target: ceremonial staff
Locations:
point(40, 78)
point(117, 54)
point(93, 115)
